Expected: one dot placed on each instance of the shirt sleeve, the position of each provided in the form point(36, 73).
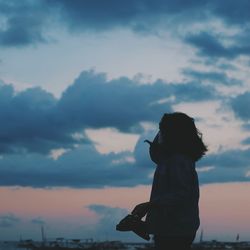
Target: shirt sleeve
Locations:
point(179, 189)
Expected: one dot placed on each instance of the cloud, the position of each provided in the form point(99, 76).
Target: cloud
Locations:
point(235, 159)
point(122, 102)
point(147, 15)
point(22, 23)
point(27, 22)
point(108, 212)
point(139, 16)
point(213, 77)
point(219, 175)
point(29, 122)
point(240, 105)
point(209, 45)
point(227, 166)
point(82, 167)
point(33, 120)
point(38, 220)
point(96, 102)
point(246, 141)
point(109, 217)
point(232, 12)
point(8, 220)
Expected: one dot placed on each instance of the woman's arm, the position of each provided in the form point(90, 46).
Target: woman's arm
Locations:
point(141, 209)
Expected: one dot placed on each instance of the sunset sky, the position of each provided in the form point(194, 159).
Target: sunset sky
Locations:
point(84, 83)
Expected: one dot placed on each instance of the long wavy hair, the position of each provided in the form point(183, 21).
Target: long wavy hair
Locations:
point(180, 135)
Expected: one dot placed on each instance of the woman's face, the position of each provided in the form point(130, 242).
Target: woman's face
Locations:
point(162, 133)
point(162, 121)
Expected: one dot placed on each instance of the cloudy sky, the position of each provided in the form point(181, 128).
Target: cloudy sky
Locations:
point(83, 83)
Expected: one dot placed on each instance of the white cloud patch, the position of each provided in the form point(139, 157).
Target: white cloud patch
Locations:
point(111, 140)
point(8, 220)
point(248, 174)
point(109, 217)
point(205, 169)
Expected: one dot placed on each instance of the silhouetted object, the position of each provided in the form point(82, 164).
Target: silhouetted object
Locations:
point(154, 149)
point(201, 236)
point(135, 224)
point(172, 213)
point(237, 237)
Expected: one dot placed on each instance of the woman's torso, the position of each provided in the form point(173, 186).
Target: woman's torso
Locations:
point(179, 213)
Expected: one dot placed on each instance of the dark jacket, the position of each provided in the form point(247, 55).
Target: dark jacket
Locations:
point(175, 193)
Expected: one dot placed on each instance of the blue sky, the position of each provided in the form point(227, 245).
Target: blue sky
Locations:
point(83, 83)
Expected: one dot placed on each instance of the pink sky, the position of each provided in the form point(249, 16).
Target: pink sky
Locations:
point(224, 208)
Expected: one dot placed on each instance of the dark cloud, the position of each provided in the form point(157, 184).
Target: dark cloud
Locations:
point(33, 120)
point(96, 102)
point(147, 15)
point(29, 122)
point(8, 220)
point(227, 66)
point(140, 16)
point(219, 175)
point(209, 45)
point(23, 23)
point(240, 105)
point(235, 159)
point(122, 103)
point(232, 12)
point(26, 22)
point(227, 166)
point(82, 167)
point(214, 77)
point(246, 141)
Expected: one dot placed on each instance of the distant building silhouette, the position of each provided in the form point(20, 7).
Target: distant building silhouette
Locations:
point(201, 236)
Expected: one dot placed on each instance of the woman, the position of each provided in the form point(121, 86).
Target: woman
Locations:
point(173, 212)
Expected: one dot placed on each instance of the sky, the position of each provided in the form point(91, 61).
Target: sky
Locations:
point(84, 83)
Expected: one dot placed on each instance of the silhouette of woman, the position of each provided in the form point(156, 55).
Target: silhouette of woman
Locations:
point(172, 214)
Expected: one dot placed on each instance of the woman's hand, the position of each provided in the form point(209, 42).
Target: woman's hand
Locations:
point(154, 149)
point(141, 209)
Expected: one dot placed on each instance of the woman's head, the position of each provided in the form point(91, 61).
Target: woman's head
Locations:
point(181, 135)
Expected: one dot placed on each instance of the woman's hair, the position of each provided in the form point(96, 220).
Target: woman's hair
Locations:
point(181, 135)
